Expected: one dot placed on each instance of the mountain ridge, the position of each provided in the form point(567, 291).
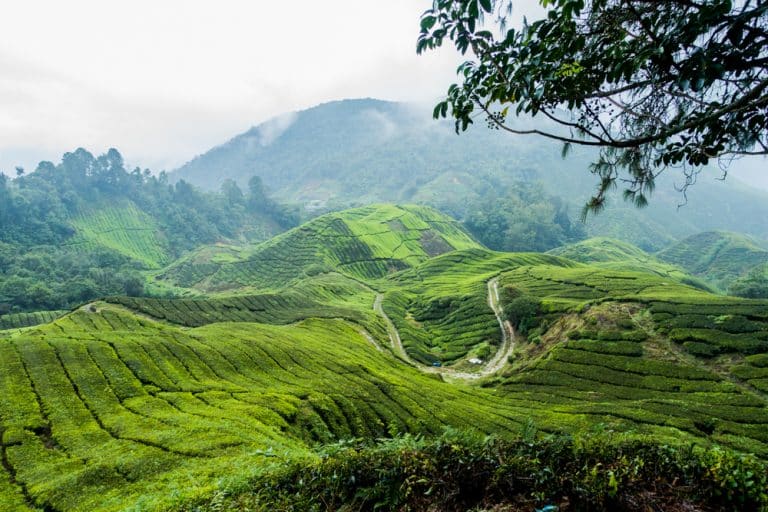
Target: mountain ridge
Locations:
point(353, 152)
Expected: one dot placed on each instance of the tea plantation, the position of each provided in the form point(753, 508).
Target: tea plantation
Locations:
point(281, 386)
point(123, 229)
point(366, 243)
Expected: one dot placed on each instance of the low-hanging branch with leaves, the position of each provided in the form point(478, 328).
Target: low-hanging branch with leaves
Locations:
point(653, 84)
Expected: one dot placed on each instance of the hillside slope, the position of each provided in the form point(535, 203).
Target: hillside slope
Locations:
point(384, 151)
point(123, 229)
point(106, 408)
point(719, 257)
point(365, 243)
point(615, 254)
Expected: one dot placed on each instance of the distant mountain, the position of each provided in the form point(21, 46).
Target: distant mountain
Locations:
point(719, 257)
point(355, 152)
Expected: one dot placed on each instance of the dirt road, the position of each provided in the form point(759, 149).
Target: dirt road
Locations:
point(492, 366)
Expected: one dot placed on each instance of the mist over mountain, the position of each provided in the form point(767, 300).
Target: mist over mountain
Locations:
point(355, 152)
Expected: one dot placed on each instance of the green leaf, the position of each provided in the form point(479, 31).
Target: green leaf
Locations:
point(472, 10)
point(427, 22)
point(487, 5)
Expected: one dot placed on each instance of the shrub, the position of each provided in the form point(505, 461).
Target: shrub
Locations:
point(634, 336)
point(462, 471)
point(697, 348)
point(523, 313)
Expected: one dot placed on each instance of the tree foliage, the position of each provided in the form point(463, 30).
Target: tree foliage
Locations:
point(521, 218)
point(653, 84)
point(41, 267)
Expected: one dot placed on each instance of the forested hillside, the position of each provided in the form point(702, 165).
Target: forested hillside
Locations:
point(511, 193)
point(89, 227)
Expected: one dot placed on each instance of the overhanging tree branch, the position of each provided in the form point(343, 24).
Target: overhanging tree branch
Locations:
point(652, 83)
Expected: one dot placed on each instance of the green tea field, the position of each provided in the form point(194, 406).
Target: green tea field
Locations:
point(382, 357)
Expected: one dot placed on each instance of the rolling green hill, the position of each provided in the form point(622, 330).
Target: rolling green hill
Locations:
point(310, 375)
point(441, 307)
point(365, 243)
point(104, 407)
point(615, 254)
point(719, 257)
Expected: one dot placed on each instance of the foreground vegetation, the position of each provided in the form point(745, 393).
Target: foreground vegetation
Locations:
point(461, 471)
point(330, 385)
point(124, 410)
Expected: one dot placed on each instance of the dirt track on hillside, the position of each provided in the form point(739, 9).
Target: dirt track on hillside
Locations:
point(492, 366)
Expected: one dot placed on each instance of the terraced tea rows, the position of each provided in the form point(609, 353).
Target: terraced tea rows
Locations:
point(18, 320)
point(441, 310)
point(628, 359)
point(124, 409)
point(366, 243)
point(123, 229)
point(614, 254)
point(150, 403)
point(282, 308)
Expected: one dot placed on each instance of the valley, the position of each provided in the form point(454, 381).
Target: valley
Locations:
point(375, 323)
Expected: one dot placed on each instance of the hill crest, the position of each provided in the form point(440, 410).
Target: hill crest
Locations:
point(368, 242)
point(719, 256)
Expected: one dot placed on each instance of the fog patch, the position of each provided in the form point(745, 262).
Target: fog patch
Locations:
point(380, 122)
point(269, 131)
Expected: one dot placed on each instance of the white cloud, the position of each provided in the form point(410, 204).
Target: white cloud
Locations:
point(275, 127)
point(164, 81)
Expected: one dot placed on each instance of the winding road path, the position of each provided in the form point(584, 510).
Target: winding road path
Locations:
point(495, 364)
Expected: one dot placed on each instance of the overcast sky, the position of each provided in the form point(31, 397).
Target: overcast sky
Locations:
point(165, 80)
